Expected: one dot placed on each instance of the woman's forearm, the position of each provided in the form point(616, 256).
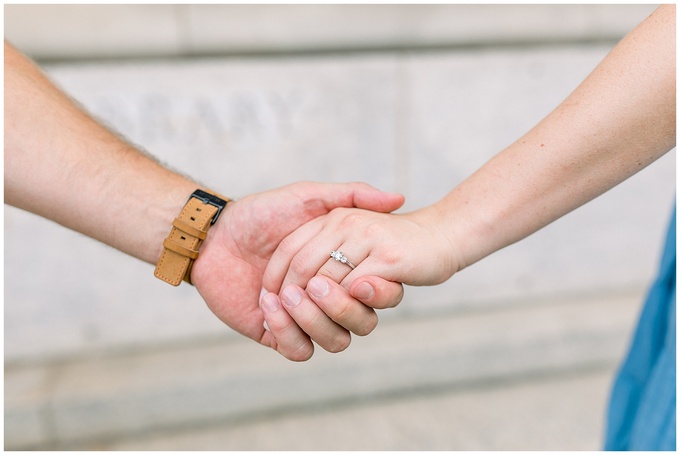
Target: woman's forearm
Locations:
point(619, 120)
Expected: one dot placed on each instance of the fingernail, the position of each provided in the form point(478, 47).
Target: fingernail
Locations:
point(270, 303)
point(263, 292)
point(291, 296)
point(318, 287)
point(364, 291)
point(266, 327)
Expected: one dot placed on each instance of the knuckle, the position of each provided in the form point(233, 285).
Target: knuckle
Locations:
point(339, 311)
point(308, 321)
point(351, 219)
point(376, 231)
point(299, 265)
point(281, 327)
point(288, 342)
point(287, 247)
point(391, 257)
point(387, 297)
point(399, 296)
point(370, 322)
point(393, 301)
point(301, 353)
point(339, 343)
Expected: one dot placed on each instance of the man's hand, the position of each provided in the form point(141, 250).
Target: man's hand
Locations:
point(68, 149)
point(228, 273)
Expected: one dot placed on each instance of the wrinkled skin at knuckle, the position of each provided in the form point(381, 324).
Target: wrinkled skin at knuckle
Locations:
point(302, 353)
point(338, 311)
point(340, 343)
point(300, 266)
point(352, 219)
point(371, 322)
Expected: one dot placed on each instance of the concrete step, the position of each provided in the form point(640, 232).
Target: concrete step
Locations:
point(99, 400)
point(544, 413)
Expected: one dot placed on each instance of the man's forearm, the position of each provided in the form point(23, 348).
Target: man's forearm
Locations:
point(619, 120)
point(62, 165)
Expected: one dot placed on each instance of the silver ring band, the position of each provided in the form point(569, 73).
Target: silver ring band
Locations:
point(338, 256)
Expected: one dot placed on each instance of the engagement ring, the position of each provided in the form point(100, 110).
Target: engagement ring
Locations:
point(338, 256)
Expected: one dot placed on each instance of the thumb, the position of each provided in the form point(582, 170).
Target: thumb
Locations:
point(376, 200)
point(359, 195)
point(377, 292)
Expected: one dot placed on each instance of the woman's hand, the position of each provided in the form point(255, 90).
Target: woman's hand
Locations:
point(228, 273)
point(385, 249)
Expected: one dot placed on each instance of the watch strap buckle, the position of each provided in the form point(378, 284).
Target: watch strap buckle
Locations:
point(188, 231)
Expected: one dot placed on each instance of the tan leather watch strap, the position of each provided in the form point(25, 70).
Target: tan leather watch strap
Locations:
point(189, 229)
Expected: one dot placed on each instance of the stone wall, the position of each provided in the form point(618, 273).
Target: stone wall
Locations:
point(247, 98)
point(417, 122)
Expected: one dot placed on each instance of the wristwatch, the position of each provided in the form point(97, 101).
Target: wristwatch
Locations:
point(190, 228)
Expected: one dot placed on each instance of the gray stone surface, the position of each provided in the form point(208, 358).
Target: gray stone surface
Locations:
point(26, 399)
point(563, 413)
point(243, 126)
point(525, 339)
point(104, 398)
point(73, 31)
point(248, 125)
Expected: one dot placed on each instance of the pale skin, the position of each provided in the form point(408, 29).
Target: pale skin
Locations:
point(618, 121)
point(63, 165)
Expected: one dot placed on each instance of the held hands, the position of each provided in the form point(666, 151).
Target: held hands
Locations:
point(228, 273)
point(411, 248)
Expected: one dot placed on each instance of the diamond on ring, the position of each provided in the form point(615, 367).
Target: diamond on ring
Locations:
point(338, 256)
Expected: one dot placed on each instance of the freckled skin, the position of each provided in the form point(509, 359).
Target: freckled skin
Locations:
point(619, 120)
